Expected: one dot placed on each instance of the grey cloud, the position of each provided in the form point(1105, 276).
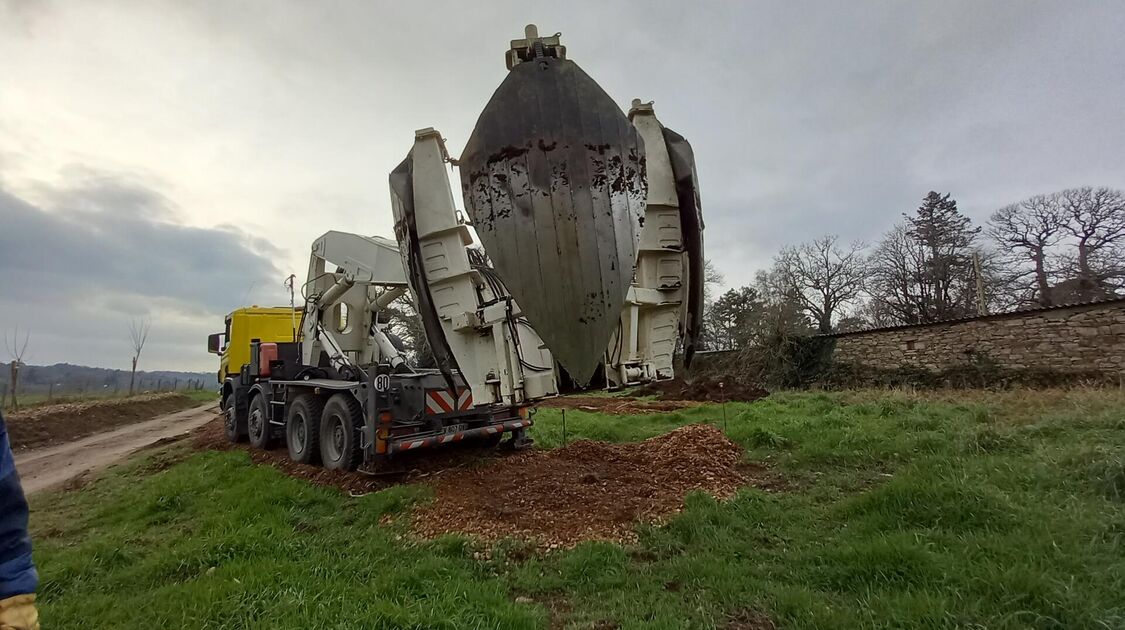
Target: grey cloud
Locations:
point(806, 118)
point(91, 190)
point(840, 117)
point(107, 250)
point(105, 234)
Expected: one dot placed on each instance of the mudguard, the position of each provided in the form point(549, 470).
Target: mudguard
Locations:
point(691, 226)
point(554, 179)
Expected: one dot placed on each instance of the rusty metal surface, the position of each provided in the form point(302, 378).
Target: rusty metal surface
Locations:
point(554, 180)
point(691, 224)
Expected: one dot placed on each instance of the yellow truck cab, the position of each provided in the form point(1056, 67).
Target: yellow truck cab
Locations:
point(278, 323)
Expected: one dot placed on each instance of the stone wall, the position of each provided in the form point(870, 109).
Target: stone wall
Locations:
point(1085, 338)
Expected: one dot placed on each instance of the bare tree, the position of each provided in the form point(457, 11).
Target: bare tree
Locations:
point(1095, 218)
point(822, 276)
point(16, 351)
point(1066, 246)
point(405, 329)
point(712, 277)
point(1025, 233)
point(898, 266)
point(138, 333)
point(712, 329)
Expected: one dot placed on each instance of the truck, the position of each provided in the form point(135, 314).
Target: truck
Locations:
point(344, 394)
point(269, 324)
point(584, 251)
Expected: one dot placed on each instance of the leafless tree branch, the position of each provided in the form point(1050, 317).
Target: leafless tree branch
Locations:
point(138, 333)
point(823, 276)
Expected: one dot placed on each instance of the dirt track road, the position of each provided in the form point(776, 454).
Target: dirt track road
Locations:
point(48, 467)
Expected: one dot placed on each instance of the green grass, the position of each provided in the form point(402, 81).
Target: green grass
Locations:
point(203, 395)
point(29, 401)
point(958, 510)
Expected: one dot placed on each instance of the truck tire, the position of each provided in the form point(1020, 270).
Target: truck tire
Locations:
point(258, 423)
point(339, 433)
point(302, 429)
point(233, 425)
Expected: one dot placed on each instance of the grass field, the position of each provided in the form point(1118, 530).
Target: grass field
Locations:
point(947, 510)
point(29, 401)
point(203, 395)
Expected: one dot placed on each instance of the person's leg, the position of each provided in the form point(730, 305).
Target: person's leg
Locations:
point(18, 579)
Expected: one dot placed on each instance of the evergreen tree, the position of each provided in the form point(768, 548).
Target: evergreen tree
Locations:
point(947, 237)
point(734, 317)
point(922, 271)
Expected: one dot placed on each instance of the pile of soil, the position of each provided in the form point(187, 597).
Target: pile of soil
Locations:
point(615, 405)
point(702, 389)
point(48, 425)
point(588, 490)
point(557, 498)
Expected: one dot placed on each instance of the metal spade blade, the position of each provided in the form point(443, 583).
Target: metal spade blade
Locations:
point(554, 179)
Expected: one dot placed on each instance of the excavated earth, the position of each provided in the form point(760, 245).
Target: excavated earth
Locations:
point(589, 490)
point(552, 498)
point(616, 405)
point(47, 425)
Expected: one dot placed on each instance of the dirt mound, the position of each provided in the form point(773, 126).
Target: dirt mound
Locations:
point(702, 389)
point(615, 405)
point(588, 490)
point(558, 498)
point(48, 425)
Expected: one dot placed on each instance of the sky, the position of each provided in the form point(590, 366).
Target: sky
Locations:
point(171, 161)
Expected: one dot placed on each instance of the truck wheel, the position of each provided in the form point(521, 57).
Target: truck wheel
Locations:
point(339, 433)
point(302, 429)
point(258, 423)
point(233, 426)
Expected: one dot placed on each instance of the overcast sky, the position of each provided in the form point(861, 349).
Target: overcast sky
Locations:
point(174, 160)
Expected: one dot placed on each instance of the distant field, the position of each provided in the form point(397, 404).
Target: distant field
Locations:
point(28, 401)
point(38, 426)
point(203, 395)
point(941, 510)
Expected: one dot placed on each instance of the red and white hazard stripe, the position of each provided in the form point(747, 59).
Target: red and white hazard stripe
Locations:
point(440, 401)
point(407, 445)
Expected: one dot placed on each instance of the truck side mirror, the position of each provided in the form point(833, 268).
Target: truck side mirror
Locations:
point(215, 343)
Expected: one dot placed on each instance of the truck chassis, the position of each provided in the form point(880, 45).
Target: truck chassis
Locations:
point(360, 419)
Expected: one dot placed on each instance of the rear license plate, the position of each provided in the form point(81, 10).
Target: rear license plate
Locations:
point(454, 428)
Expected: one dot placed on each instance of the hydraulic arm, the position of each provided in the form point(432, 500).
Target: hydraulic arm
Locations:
point(473, 324)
